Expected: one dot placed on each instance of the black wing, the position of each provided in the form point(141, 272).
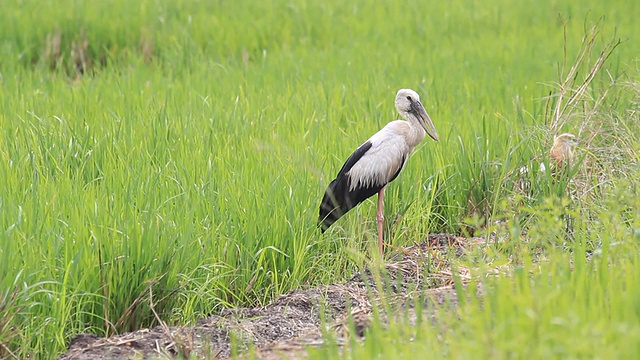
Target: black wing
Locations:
point(353, 159)
point(338, 199)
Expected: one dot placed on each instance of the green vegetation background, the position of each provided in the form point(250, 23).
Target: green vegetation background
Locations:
point(184, 146)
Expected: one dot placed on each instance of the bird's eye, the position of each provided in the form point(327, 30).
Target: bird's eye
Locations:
point(409, 98)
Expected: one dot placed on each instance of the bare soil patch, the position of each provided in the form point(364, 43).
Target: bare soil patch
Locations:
point(294, 321)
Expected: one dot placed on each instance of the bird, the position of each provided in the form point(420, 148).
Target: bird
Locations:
point(377, 162)
point(561, 155)
point(562, 151)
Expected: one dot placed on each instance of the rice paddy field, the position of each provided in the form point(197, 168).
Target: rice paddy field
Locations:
point(177, 151)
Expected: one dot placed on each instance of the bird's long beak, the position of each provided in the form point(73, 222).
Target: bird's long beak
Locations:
point(424, 119)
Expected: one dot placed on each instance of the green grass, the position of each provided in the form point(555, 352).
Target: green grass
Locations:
point(190, 158)
point(565, 307)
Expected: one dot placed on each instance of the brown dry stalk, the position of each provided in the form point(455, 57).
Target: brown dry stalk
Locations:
point(572, 93)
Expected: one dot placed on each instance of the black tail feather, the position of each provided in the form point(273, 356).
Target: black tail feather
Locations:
point(331, 208)
point(338, 200)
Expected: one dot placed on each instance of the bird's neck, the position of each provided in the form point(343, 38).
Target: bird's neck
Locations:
point(418, 133)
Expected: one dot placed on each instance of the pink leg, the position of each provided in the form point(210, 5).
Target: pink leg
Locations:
point(380, 217)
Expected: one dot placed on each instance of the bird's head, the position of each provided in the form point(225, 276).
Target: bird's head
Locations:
point(408, 104)
point(563, 145)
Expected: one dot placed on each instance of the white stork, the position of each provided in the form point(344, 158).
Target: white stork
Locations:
point(377, 162)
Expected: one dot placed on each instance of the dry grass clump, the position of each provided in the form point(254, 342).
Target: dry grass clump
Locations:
point(584, 103)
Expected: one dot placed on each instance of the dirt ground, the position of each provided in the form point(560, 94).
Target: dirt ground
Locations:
point(293, 322)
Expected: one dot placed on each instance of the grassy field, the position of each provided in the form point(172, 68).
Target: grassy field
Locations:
point(181, 148)
point(565, 307)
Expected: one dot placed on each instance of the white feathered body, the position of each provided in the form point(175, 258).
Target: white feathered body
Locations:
point(390, 149)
